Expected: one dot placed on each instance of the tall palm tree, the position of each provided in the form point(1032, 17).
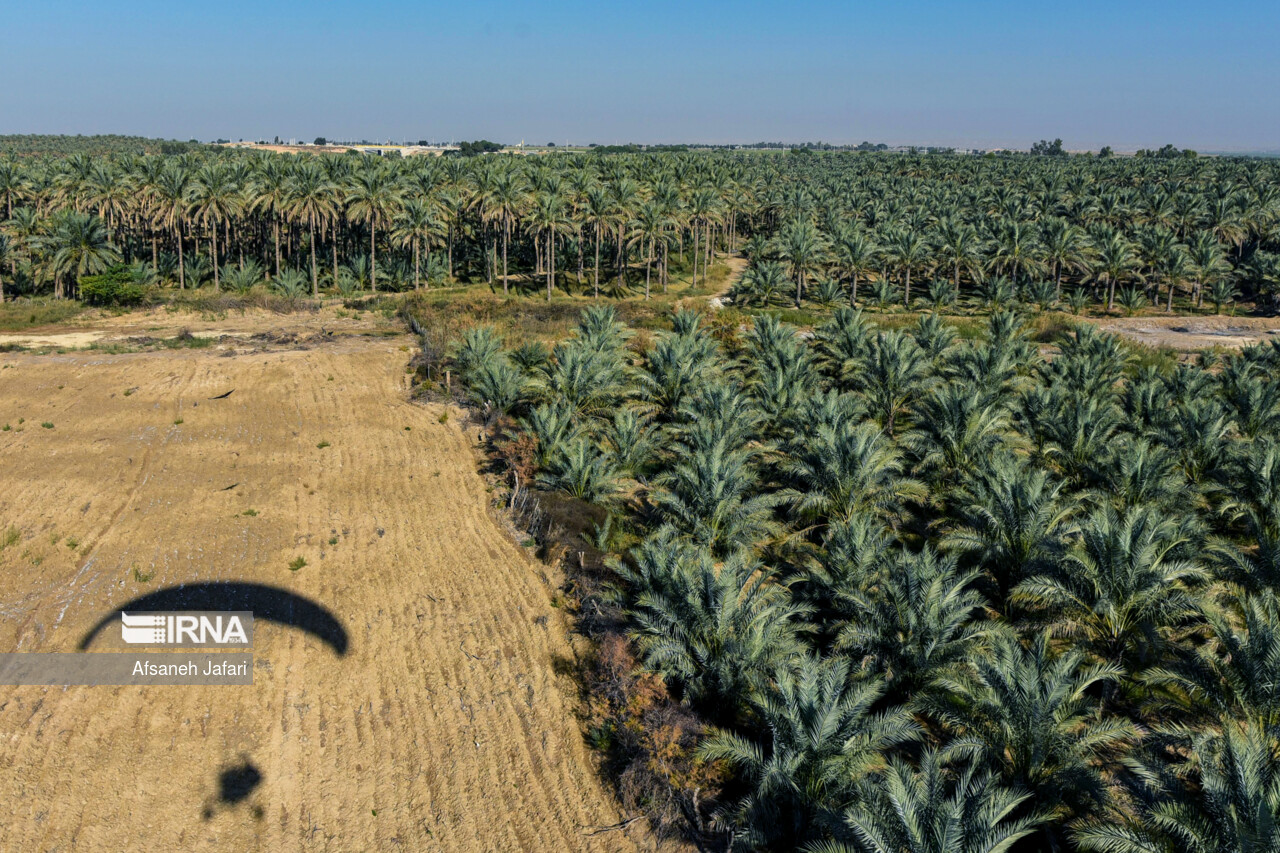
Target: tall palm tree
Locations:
point(416, 227)
point(648, 229)
point(909, 251)
point(373, 196)
point(957, 243)
point(548, 217)
point(1064, 249)
point(509, 199)
point(1116, 261)
point(803, 247)
point(309, 197)
point(213, 199)
point(856, 253)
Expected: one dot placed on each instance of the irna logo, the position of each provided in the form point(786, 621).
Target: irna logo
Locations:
point(187, 629)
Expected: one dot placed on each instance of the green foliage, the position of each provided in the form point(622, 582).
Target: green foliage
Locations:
point(1058, 572)
point(117, 286)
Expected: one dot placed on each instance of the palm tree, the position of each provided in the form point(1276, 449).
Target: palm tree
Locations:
point(213, 199)
point(269, 192)
point(1207, 262)
point(716, 632)
point(1123, 589)
point(1064, 249)
point(624, 195)
point(856, 253)
point(936, 809)
point(77, 246)
point(1032, 721)
point(957, 243)
point(373, 196)
point(549, 219)
point(909, 251)
point(416, 226)
point(802, 246)
point(1014, 250)
point(1230, 803)
point(1116, 261)
point(649, 229)
point(824, 735)
point(309, 197)
point(4, 258)
point(599, 213)
point(507, 204)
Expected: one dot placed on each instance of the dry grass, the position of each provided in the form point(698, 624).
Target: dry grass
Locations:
point(445, 725)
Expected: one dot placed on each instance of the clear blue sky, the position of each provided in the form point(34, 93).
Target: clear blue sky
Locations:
point(977, 73)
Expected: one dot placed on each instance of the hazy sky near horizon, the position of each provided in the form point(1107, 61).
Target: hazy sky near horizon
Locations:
point(972, 74)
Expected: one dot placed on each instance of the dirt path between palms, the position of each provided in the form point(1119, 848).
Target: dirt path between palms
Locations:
point(442, 724)
point(737, 267)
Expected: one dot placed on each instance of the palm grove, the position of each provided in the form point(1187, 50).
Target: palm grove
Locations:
point(887, 590)
point(868, 228)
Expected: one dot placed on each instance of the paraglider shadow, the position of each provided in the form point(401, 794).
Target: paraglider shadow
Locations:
point(266, 602)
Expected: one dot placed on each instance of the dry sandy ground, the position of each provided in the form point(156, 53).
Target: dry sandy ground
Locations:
point(1196, 333)
point(443, 726)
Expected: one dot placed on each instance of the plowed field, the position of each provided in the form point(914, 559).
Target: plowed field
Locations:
point(437, 722)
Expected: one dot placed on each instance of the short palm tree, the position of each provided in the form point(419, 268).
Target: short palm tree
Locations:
point(824, 735)
point(936, 809)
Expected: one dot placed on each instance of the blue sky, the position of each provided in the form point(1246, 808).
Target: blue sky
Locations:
point(983, 74)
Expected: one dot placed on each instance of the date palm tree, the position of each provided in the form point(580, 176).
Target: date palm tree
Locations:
point(417, 226)
point(548, 218)
point(373, 196)
point(309, 197)
point(936, 809)
point(77, 245)
point(508, 202)
point(856, 253)
point(824, 734)
point(957, 243)
point(213, 199)
point(803, 247)
point(1115, 261)
point(908, 251)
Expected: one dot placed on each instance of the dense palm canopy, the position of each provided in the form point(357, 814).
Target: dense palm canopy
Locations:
point(1174, 232)
point(922, 592)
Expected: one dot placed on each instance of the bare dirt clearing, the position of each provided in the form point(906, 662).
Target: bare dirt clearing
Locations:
point(1196, 333)
point(443, 725)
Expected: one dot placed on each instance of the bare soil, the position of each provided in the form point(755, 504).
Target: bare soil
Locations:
point(1196, 333)
point(446, 722)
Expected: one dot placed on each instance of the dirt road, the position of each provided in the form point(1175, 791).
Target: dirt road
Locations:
point(438, 723)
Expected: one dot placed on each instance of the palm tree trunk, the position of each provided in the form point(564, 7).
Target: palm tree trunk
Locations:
point(622, 262)
point(597, 275)
point(648, 263)
point(182, 272)
point(1111, 294)
point(551, 262)
point(906, 293)
point(373, 256)
point(506, 238)
point(695, 257)
point(315, 272)
point(275, 228)
point(335, 251)
point(213, 244)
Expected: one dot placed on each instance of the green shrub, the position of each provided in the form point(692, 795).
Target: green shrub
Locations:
point(117, 286)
